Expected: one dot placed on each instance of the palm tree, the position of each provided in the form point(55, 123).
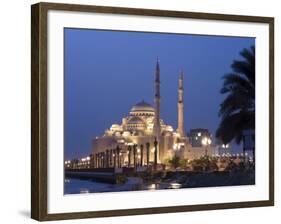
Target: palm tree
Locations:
point(174, 162)
point(237, 111)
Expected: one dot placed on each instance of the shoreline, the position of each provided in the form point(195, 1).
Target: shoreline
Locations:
point(169, 180)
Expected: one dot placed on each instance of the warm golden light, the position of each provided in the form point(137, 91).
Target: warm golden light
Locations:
point(151, 187)
point(175, 185)
point(206, 141)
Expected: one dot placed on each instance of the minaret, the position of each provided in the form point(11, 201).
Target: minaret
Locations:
point(180, 106)
point(156, 126)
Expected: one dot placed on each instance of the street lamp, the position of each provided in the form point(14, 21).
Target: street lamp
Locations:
point(225, 146)
point(176, 146)
point(206, 142)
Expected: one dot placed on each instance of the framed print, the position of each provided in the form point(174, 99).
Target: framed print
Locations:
point(139, 111)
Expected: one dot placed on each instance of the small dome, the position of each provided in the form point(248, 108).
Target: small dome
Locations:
point(142, 107)
point(135, 120)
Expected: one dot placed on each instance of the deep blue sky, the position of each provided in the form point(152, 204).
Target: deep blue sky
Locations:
point(107, 72)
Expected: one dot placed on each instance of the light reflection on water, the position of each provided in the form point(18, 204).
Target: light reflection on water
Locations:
point(76, 186)
point(155, 186)
point(175, 185)
point(151, 187)
point(84, 191)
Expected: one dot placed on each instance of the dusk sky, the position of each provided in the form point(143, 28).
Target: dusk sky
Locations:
point(107, 72)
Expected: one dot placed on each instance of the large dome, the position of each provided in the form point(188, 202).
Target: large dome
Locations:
point(135, 120)
point(142, 107)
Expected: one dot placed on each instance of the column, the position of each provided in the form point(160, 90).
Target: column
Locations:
point(141, 148)
point(110, 162)
point(97, 160)
point(147, 153)
point(129, 155)
point(107, 158)
point(118, 156)
point(134, 154)
point(114, 158)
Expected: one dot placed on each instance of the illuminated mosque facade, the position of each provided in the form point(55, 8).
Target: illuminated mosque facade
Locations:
point(143, 137)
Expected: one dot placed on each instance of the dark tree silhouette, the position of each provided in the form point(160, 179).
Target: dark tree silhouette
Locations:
point(237, 111)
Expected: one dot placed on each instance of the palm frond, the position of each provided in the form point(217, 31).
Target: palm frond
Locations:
point(237, 111)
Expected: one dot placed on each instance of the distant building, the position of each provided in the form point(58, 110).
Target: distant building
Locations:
point(200, 140)
point(196, 136)
point(249, 140)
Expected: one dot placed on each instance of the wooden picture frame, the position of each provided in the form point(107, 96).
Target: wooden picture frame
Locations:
point(39, 109)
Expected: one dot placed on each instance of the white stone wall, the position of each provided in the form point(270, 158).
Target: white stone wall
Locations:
point(196, 152)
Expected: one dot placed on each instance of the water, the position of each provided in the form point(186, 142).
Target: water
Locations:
point(77, 186)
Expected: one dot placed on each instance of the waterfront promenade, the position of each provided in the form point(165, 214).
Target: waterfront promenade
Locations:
point(129, 180)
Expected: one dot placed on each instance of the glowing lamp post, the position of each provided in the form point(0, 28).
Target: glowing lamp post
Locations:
point(206, 142)
point(155, 153)
point(225, 146)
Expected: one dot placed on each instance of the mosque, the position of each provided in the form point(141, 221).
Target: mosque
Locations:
point(143, 137)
